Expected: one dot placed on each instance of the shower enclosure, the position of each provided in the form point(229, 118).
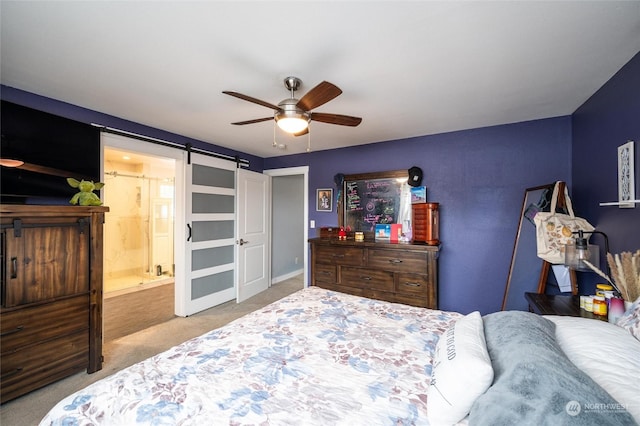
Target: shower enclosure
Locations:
point(138, 242)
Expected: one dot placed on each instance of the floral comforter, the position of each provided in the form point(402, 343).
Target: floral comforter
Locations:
point(315, 357)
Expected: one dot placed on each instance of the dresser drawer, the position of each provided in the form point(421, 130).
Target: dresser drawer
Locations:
point(324, 273)
point(342, 289)
point(367, 278)
point(25, 370)
point(32, 325)
point(413, 300)
point(412, 284)
point(350, 256)
point(396, 260)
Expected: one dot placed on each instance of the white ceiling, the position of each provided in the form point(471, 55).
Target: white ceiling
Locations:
point(407, 68)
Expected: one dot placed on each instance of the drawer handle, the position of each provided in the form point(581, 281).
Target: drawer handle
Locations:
point(12, 373)
point(324, 273)
point(395, 261)
point(15, 330)
point(412, 284)
point(14, 267)
point(338, 255)
point(366, 278)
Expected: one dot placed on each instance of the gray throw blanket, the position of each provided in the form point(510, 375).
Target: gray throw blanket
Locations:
point(535, 383)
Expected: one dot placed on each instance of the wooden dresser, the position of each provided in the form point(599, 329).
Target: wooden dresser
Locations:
point(395, 272)
point(51, 310)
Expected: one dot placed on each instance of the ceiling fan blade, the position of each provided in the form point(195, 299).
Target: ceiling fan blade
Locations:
point(319, 95)
point(257, 120)
point(250, 99)
point(302, 132)
point(342, 120)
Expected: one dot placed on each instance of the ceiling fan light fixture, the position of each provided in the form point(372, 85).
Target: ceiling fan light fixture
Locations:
point(290, 124)
point(290, 118)
point(10, 162)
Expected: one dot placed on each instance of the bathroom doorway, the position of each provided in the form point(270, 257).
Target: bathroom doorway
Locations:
point(139, 266)
point(138, 245)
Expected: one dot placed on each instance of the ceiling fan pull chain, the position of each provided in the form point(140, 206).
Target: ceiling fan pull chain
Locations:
point(309, 140)
point(275, 144)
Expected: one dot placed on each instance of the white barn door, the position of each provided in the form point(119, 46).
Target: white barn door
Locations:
point(211, 226)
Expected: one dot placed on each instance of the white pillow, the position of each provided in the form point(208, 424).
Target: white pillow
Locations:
point(461, 371)
point(607, 353)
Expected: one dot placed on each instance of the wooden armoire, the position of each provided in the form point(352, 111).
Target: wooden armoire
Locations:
point(51, 310)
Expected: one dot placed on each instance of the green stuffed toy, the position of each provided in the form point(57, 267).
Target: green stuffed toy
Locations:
point(85, 197)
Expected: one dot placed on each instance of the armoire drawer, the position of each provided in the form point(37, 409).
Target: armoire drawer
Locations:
point(396, 260)
point(350, 256)
point(35, 324)
point(35, 366)
point(367, 278)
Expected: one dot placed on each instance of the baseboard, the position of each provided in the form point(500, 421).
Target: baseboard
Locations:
point(275, 280)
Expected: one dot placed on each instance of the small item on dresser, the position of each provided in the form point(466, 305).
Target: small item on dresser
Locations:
point(328, 231)
point(599, 306)
point(602, 288)
point(606, 291)
point(426, 223)
point(383, 232)
point(396, 232)
point(359, 236)
point(342, 234)
point(616, 309)
point(588, 303)
point(583, 301)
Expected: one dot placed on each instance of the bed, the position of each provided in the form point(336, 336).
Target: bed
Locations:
point(319, 357)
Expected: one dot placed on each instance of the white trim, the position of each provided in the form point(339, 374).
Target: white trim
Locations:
point(304, 171)
point(110, 140)
point(287, 276)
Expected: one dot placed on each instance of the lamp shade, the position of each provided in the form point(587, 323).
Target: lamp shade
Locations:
point(575, 256)
point(292, 124)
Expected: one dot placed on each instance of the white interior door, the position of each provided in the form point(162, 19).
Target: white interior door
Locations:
point(253, 243)
point(211, 225)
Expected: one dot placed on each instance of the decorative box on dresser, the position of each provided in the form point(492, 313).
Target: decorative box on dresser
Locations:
point(396, 272)
point(51, 310)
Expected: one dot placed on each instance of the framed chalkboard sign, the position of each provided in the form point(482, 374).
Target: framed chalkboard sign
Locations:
point(371, 198)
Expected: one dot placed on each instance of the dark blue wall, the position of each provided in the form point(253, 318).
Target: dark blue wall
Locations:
point(87, 116)
point(607, 120)
point(478, 177)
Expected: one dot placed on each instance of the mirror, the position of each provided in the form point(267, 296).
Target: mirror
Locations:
point(526, 266)
point(370, 198)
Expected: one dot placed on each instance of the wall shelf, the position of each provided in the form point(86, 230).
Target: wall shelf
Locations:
point(617, 203)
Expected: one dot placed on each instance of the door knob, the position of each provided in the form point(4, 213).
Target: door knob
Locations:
point(242, 242)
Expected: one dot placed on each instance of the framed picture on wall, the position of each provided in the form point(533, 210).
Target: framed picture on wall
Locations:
point(626, 175)
point(324, 199)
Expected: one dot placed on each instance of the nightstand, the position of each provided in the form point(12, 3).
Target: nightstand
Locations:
point(548, 304)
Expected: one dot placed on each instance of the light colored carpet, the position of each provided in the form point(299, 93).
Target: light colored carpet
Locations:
point(120, 353)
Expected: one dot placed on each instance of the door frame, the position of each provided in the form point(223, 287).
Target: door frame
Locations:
point(111, 140)
point(295, 171)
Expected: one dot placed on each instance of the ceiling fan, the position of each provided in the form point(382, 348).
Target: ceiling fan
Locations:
point(293, 115)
